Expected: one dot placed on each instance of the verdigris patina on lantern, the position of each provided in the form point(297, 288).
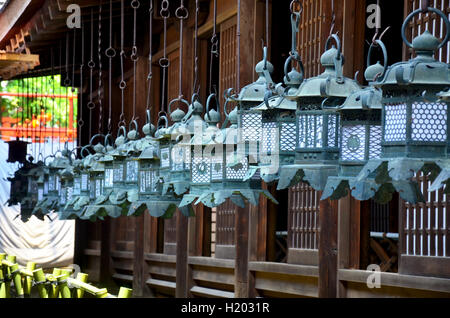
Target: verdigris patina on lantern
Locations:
point(415, 121)
point(317, 122)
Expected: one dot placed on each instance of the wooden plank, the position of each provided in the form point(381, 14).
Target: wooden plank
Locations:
point(212, 262)
point(162, 269)
point(287, 269)
point(91, 252)
point(241, 288)
point(122, 254)
point(328, 248)
point(210, 292)
point(364, 234)
point(303, 256)
point(161, 258)
point(123, 277)
point(286, 285)
point(225, 251)
point(161, 283)
point(213, 275)
point(425, 266)
point(397, 280)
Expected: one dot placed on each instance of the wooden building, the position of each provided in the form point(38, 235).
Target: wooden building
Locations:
point(302, 247)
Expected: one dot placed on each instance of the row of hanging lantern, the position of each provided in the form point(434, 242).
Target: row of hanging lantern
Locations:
point(327, 131)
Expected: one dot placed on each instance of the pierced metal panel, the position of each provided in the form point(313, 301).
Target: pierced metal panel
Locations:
point(69, 193)
point(333, 124)
point(310, 131)
point(142, 181)
point(132, 171)
point(77, 186)
point(269, 137)
point(63, 196)
point(109, 177)
point(353, 143)
point(216, 169)
point(40, 194)
point(239, 171)
point(118, 172)
point(165, 160)
point(84, 182)
point(45, 187)
point(98, 187)
point(51, 183)
point(201, 170)
point(395, 123)
point(429, 122)
point(251, 126)
point(375, 142)
point(287, 137)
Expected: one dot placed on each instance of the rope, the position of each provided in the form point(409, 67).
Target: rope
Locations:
point(164, 61)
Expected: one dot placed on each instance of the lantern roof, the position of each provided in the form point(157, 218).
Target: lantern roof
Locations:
point(331, 83)
point(149, 153)
point(255, 91)
point(444, 95)
point(364, 99)
point(60, 162)
point(421, 70)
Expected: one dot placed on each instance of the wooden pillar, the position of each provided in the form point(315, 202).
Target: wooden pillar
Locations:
point(139, 268)
point(328, 219)
point(105, 251)
point(182, 290)
point(241, 274)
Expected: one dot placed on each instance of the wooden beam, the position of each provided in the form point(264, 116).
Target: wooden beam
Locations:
point(241, 273)
point(11, 15)
point(182, 290)
point(105, 251)
point(139, 265)
point(328, 218)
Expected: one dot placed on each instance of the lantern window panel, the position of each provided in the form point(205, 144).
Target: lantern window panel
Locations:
point(154, 181)
point(239, 171)
point(98, 187)
point(40, 194)
point(77, 186)
point(333, 124)
point(142, 179)
point(118, 172)
point(251, 126)
point(32, 186)
point(269, 137)
point(58, 184)
point(395, 123)
point(62, 196)
point(353, 143)
point(217, 169)
point(201, 170)
point(429, 122)
point(132, 171)
point(288, 137)
point(46, 187)
point(109, 177)
point(310, 131)
point(375, 142)
point(165, 159)
point(51, 183)
point(69, 193)
point(84, 182)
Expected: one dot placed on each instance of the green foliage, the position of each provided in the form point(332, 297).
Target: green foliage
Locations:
point(48, 112)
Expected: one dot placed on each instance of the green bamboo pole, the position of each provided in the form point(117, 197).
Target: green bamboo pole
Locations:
point(54, 289)
point(3, 283)
point(64, 289)
point(39, 278)
point(125, 292)
point(28, 283)
point(99, 293)
point(10, 260)
point(17, 278)
point(82, 277)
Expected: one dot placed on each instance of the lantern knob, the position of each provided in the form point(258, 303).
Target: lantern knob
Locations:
point(328, 57)
point(293, 78)
point(177, 115)
point(426, 43)
point(233, 116)
point(373, 70)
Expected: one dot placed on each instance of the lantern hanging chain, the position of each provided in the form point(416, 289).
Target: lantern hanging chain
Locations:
point(333, 18)
point(134, 56)
point(377, 35)
point(110, 53)
point(425, 4)
point(164, 61)
point(267, 23)
point(238, 46)
point(74, 58)
point(182, 14)
point(67, 79)
point(100, 74)
point(91, 65)
point(150, 56)
point(122, 84)
point(214, 49)
point(195, 89)
point(80, 92)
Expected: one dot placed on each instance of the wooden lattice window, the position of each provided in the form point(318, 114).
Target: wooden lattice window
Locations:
point(424, 238)
point(303, 218)
point(227, 55)
point(311, 35)
point(432, 22)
